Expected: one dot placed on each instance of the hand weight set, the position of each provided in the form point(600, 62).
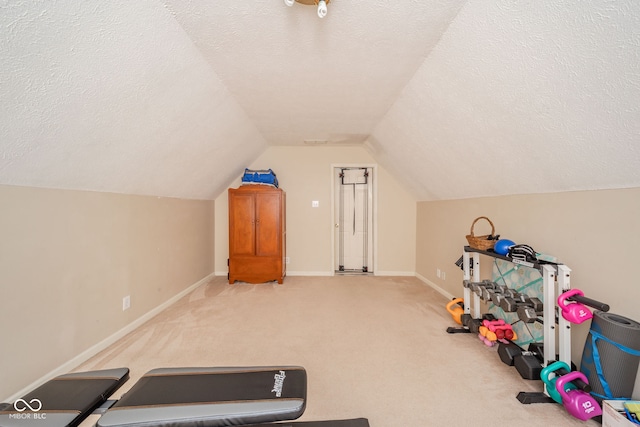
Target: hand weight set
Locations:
point(492, 331)
point(577, 402)
point(523, 310)
point(550, 374)
point(455, 309)
point(574, 312)
point(573, 305)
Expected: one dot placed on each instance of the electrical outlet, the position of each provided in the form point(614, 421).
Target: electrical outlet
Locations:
point(287, 260)
point(438, 273)
point(126, 303)
point(444, 276)
point(315, 203)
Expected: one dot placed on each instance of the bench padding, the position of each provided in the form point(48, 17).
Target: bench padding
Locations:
point(65, 400)
point(211, 397)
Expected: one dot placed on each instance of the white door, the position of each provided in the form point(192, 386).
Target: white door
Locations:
point(353, 194)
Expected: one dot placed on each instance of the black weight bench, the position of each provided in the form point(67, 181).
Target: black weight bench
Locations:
point(172, 397)
point(65, 400)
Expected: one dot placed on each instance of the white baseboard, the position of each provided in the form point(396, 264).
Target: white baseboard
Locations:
point(394, 273)
point(309, 273)
point(434, 286)
point(95, 349)
point(332, 273)
point(290, 273)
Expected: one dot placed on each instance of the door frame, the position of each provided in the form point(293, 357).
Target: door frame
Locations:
point(374, 195)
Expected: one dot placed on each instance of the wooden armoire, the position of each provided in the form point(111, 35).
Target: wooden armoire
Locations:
point(257, 234)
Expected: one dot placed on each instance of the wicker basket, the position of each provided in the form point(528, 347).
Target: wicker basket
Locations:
point(481, 242)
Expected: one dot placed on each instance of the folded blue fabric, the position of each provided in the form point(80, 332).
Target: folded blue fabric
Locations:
point(260, 177)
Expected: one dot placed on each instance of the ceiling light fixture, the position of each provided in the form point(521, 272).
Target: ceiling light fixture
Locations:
point(322, 5)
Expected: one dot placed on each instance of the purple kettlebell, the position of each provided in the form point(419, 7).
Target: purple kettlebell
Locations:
point(577, 402)
point(574, 312)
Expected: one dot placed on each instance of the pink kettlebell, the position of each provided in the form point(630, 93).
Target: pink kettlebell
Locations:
point(577, 402)
point(574, 312)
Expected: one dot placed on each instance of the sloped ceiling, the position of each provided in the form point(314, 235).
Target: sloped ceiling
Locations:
point(521, 97)
point(458, 98)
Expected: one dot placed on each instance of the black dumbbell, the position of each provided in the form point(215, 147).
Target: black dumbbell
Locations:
point(509, 351)
point(497, 298)
point(486, 292)
point(474, 324)
point(528, 362)
point(491, 294)
point(479, 287)
point(475, 287)
point(511, 305)
point(528, 314)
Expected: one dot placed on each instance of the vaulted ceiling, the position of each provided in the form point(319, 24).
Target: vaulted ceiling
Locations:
point(456, 98)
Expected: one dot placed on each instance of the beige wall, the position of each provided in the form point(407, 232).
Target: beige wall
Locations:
point(595, 233)
point(67, 259)
point(305, 174)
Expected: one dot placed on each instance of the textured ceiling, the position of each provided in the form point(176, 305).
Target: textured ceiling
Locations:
point(299, 77)
point(458, 98)
point(521, 97)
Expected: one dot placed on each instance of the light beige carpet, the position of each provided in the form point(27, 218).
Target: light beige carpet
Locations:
point(373, 347)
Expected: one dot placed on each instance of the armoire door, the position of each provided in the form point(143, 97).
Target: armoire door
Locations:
point(268, 233)
point(242, 223)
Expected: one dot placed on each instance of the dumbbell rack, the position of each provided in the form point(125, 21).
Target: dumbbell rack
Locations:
point(556, 280)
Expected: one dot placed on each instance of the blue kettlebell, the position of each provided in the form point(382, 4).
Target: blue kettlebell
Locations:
point(502, 246)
